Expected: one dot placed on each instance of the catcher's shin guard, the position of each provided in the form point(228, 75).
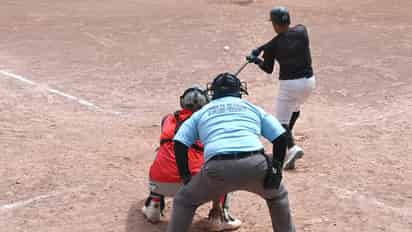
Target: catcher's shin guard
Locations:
point(153, 207)
point(158, 198)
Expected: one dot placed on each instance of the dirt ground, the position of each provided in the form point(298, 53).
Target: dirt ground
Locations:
point(67, 165)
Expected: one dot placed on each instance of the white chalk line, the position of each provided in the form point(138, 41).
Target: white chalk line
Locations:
point(55, 91)
point(102, 41)
point(19, 204)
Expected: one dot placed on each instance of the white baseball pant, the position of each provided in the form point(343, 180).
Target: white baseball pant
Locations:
point(292, 95)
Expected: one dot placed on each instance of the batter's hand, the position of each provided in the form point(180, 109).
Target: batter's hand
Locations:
point(256, 52)
point(254, 59)
point(274, 176)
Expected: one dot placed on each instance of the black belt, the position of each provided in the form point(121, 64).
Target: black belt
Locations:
point(295, 78)
point(236, 155)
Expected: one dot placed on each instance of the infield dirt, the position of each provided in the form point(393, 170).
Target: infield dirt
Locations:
point(68, 167)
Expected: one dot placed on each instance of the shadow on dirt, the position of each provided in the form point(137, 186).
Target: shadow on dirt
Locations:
point(137, 223)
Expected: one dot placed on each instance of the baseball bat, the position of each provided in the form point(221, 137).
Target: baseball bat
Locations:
point(241, 68)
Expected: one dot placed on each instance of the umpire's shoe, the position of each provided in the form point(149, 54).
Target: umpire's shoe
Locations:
point(151, 210)
point(292, 155)
point(223, 222)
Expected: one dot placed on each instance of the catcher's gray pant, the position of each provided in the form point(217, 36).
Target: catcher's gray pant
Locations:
point(221, 176)
point(165, 189)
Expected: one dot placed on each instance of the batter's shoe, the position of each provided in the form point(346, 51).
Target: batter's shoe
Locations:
point(293, 154)
point(223, 222)
point(151, 210)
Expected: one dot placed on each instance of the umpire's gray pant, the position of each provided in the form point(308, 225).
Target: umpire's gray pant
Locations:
point(218, 177)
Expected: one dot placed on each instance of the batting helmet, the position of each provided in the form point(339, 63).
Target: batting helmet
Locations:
point(226, 84)
point(280, 15)
point(193, 98)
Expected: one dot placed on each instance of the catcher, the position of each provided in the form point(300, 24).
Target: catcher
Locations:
point(164, 177)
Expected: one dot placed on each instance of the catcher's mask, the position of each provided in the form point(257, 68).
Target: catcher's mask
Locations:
point(193, 98)
point(226, 84)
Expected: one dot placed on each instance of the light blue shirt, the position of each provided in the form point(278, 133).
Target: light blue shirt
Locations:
point(229, 125)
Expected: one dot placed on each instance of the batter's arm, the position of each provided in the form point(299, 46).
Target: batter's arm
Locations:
point(268, 60)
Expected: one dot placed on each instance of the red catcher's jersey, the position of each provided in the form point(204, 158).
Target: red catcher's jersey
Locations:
point(164, 167)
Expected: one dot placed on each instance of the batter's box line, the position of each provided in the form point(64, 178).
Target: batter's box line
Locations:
point(79, 100)
point(22, 203)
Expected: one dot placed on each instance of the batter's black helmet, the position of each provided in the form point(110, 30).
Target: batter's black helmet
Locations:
point(226, 84)
point(280, 15)
point(193, 98)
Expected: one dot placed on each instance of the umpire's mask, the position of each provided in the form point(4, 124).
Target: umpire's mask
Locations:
point(193, 98)
point(226, 84)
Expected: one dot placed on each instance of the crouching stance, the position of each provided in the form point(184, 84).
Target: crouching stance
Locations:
point(164, 177)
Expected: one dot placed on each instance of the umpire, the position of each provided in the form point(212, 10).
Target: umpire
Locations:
point(229, 128)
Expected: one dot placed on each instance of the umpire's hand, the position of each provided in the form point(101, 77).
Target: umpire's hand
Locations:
point(273, 176)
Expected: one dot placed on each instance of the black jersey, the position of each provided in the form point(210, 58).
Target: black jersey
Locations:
point(291, 50)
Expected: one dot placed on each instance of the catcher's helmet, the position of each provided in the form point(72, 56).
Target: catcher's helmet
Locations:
point(280, 15)
point(193, 98)
point(226, 84)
